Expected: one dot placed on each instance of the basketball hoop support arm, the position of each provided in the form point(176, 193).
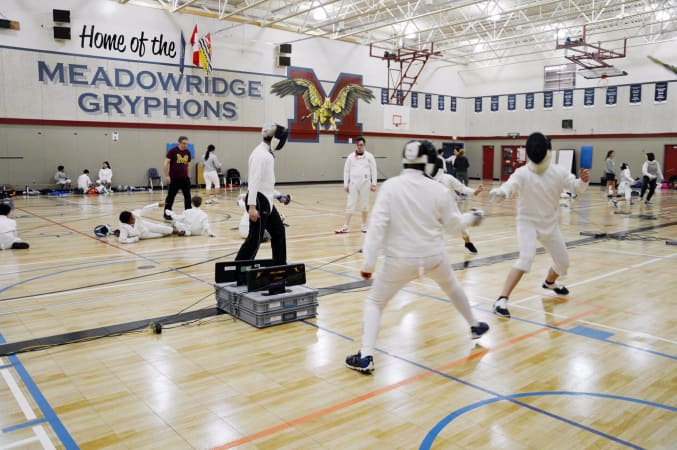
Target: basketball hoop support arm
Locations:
point(589, 56)
point(401, 79)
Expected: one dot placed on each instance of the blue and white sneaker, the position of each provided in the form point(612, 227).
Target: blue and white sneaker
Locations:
point(357, 362)
point(479, 330)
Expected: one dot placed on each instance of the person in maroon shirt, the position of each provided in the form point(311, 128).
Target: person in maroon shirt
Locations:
point(176, 167)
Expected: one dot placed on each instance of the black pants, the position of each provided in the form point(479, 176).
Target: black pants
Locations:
point(174, 186)
point(269, 220)
point(648, 183)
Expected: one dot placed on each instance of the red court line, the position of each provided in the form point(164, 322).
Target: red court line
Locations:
point(406, 381)
point(80, 232)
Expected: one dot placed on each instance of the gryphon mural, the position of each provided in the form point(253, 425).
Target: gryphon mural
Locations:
point(322, 111)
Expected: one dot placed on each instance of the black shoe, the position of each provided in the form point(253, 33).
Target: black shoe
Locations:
point(169, 218)
point(559, 289)
point(501, 307)
point(20, 245)
point(479, 330)
point(471, 247)
point(357, 362)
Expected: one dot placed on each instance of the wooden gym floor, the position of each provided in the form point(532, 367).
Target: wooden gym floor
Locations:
point(595, 370)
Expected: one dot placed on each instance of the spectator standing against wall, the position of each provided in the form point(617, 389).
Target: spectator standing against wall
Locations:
point(461, 166)
point(211, 165)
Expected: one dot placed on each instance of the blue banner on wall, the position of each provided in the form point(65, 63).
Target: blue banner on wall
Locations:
point(611, 95)
point(414, 99)
point(452, 104)
point(661, 92)
point(568, 98)
point(400, 97)
point(440, 102)
point(512, 102)
point(428, 101)
point(494, 102)
point(478, 104)
point(635, 94)
point(547, 100)
point(589, 97)
point(529, 101)
point(384, 96)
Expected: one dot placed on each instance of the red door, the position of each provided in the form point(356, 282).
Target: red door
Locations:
point(487, 162)
point(670, 161)
point(510, 160)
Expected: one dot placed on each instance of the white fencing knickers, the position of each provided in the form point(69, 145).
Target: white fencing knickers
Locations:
point(358, 195)
point(529, 234)
point(397, 272)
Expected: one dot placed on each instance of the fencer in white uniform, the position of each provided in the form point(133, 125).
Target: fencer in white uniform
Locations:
point(193, 221)
point(454, 185)
point(539, 185)
point(411, 213)
point(359, 179)
point(133, 227)
point(624, 185)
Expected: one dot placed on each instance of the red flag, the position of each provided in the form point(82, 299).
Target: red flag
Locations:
point(196, 47)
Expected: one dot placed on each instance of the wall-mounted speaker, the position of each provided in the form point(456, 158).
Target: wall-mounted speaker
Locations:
point(567, 124)
point(61, 15)
point(62, 33)
point(285, 48)
point(283, 61)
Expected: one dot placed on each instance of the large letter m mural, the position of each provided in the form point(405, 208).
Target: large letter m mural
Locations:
point(315, 111)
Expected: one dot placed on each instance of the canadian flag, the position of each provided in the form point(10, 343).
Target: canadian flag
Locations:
point(194, 42)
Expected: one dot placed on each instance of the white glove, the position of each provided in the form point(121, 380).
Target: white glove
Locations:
point(497, 195)
point(472, 219)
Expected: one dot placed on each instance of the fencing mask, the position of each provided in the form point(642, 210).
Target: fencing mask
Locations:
point(277, 134)
point(538, 152)
point(420, 155)
point(102, 230)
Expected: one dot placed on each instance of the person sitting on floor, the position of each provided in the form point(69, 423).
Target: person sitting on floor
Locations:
point(193, 221)
point(8, 236)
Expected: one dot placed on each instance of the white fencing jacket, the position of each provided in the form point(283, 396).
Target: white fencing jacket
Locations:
point(359, 168)
point(8, 234)
point(539, 193)
point(132, 233)
point(261, 174)
point(411, 213)
point(194, 220)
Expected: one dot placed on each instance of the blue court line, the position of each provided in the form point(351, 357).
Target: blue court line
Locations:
point(430, 437)
point(44, 406)
point(23, 425)
point(591, 333)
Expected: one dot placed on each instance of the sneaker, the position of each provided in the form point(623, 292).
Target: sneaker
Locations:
point(357, 362)
point(181, 233)
point(167, 217)
point(501, 307)
point(341, 230)
point(471, 247)
point(209, 202)
point(559, 289)
point(363, 228)
point(647, 202)
point(479, 330)
point(615, 203)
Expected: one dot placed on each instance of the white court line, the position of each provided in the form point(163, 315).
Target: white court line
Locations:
point(25, 407)
point(20, 444)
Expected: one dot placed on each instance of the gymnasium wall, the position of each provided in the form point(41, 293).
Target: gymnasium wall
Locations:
point(61, 102)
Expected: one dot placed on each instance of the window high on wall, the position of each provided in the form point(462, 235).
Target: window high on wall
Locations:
point(561, 76)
